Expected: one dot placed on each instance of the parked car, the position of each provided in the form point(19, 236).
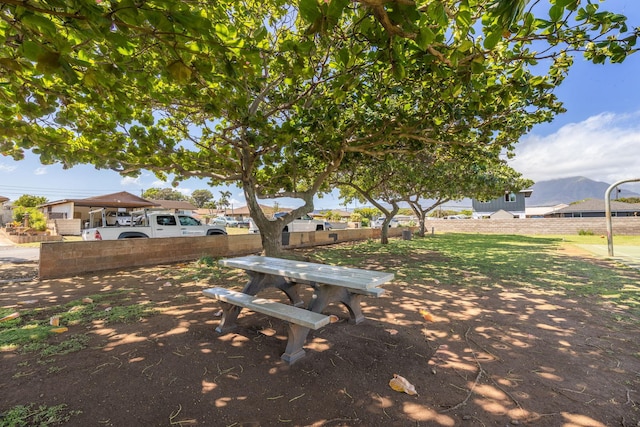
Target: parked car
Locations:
point(228, 221)
point(118, 218)
point(456, 217)
point(377, 222)
point(304, 223)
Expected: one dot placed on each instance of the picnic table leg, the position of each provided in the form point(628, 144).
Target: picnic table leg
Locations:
point(259, 281)
point(297, 338)
point(325, 295)
point(230, 314)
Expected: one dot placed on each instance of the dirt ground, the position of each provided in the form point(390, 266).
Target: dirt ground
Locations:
point(490, 357)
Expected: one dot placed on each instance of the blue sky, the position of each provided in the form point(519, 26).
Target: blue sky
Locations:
point(598, 137)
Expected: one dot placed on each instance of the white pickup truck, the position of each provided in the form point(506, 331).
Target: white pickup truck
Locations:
point(154, 224)
point(303, 224)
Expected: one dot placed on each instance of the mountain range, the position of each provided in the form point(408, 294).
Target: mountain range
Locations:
point(568, 190)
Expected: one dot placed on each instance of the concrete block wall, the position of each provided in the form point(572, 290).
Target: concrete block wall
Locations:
point(65, 227)
point(65, 259)
point(629, 226)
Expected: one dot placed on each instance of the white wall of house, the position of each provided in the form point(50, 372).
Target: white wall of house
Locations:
point(6, 214)
point(59, 211)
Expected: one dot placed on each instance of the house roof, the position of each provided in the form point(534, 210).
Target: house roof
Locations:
point(122, 199)
point(174, 204)
point(544, 210)
point(597, 205)
point(3, 199)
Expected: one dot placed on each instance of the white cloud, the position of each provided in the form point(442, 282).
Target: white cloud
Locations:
point(7, 168)
point(604, 148)
point(40, 171)
point(129, 181)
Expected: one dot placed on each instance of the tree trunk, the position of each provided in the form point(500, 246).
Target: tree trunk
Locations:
point(271, 236)
point(270, 230)
point(384, 233)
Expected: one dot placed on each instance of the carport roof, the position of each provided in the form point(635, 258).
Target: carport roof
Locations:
point(122, 199)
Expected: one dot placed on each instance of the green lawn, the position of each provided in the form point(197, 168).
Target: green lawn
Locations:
point(507, 261)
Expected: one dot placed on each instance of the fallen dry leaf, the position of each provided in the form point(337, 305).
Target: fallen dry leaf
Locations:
point(333, 318)
point(392, 331)
point(401, 384)
point(60, 330)
point(10, 316)
point(426, 315)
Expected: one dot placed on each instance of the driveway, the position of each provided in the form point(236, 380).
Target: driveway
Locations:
point(15, 254)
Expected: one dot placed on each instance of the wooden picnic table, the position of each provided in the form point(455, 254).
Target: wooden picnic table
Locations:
point(330, 284)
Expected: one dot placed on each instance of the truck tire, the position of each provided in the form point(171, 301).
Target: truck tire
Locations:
point(319, 227)
point(215, 233)
point(132, 235)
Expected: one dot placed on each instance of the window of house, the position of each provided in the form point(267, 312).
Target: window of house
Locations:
point(510, 197)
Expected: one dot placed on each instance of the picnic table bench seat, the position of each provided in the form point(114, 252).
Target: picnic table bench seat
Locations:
point(299, 320)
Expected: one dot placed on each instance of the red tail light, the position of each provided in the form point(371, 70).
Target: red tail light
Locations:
point(97, 236)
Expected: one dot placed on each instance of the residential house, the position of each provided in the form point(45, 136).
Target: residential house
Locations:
point(241, 213)
point(543, 211)
point(595, 208)
point(76, 211)
point(511, 205)
point(176, 206)
point(6, 215)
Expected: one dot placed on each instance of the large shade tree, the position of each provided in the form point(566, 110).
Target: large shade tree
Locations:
point(274, 94)
point(425, 179)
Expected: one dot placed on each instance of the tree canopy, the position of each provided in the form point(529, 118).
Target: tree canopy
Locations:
point(274, 94)
point(30, 201)
point(164, 194)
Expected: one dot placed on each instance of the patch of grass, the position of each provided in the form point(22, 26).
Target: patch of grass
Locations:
point(600, 239)
point(42, 416)
point(585, 233)
point(206, 261)
point(204, 269)
point(31, 330)
point(474, 260)
point(72, 344)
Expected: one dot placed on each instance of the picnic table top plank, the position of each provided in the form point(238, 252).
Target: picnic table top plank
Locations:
point(312, 272)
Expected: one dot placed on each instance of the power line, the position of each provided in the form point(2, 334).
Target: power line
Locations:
point(13, 191)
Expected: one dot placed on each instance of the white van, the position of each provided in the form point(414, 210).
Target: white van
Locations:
point(377, 222)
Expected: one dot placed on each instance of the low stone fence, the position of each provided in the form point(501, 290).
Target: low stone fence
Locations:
point(65, 227)
point(628, 226)
point(18, 236)
point(66, 259)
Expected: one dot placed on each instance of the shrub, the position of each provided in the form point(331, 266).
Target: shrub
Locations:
point(585, 232)
point(37, 220)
